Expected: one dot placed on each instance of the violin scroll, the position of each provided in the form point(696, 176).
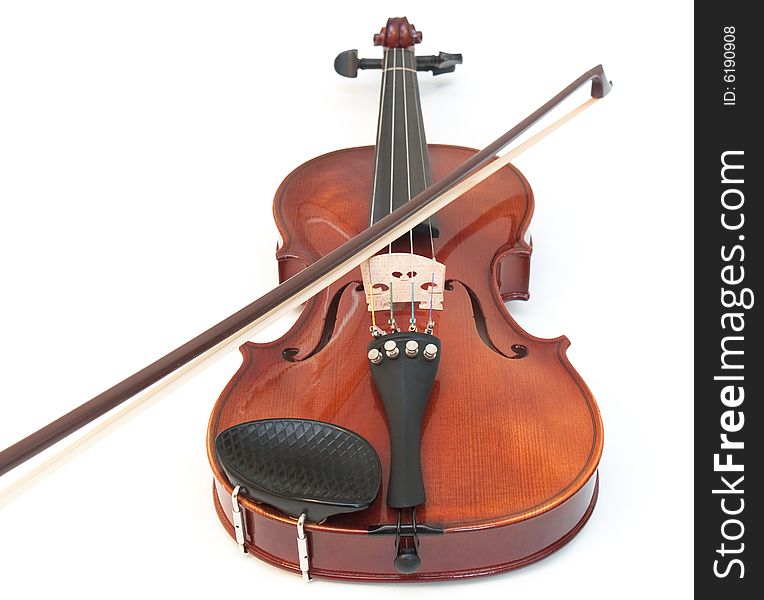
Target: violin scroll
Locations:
point(398, 33)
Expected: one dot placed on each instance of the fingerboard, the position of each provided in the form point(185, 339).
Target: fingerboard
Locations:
point(401, 160)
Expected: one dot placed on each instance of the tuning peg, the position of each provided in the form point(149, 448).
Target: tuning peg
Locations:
point(442, 63)
point(347, 63)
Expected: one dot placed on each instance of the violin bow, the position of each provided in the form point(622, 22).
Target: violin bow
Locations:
point(181, 364)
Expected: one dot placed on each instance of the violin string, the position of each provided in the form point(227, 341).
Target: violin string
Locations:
point(376, 172)
point(379, 137)
point(371, 305)
point(392, 187)
point(423, 149)
point(412, 321)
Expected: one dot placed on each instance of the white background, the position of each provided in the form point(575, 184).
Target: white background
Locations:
point(140, 147)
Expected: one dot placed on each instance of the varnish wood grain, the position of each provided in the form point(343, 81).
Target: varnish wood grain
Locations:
point(509, 446)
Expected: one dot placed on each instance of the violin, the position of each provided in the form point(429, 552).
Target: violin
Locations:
point(406, 427)
point(465, 445)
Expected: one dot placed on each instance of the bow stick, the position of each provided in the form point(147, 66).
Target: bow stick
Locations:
point(179, 364)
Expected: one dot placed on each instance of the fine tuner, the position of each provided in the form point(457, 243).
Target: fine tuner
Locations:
point(347, 63)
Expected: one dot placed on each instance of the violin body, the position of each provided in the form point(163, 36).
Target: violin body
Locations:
point(511, 435)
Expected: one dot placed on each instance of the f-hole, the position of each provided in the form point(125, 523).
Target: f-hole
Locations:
point(326, 333)
point(520, 351)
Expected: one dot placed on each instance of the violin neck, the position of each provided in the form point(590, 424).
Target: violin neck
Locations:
point(401, 160)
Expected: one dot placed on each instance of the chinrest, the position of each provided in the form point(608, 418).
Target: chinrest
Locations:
point(301, 466)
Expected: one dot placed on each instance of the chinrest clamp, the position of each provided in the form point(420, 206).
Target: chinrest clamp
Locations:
point(302, 548)
point(239, 526)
